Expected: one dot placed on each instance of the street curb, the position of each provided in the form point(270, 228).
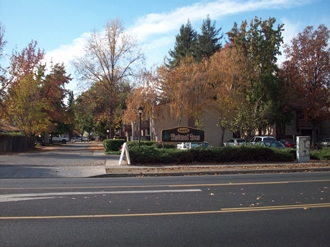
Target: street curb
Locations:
point(129, 171)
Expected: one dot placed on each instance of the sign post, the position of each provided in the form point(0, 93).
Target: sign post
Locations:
point(124, 152)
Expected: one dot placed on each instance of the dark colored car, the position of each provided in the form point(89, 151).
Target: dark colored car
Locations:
point(290, 143)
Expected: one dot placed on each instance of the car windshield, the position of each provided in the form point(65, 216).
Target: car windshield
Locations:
point(240, 140)
point(273, 144)
point(269, 139)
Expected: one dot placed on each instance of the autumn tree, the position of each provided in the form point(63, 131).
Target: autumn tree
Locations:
point(25, 62)
point(184, 89)
point(47, 94)
point(25, 69)
point(111, 58)
point(227, 82)
point(26, 107)
point(146, 95)
point(307, 69)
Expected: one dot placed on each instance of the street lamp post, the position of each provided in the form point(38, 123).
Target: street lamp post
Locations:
point(140, 110)
point(108, 131)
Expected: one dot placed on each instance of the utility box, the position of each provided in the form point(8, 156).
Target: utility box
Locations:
point(303, 149)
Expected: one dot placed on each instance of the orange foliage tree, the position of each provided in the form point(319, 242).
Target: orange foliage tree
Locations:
point(227, 75)
point(307, 68)
point(41, 95)
point(146, 96)
point(184, 88)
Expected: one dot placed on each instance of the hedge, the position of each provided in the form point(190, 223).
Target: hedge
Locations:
point(149, 155)
point(112, 144)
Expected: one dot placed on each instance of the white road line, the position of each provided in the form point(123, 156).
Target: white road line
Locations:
point(37, 196)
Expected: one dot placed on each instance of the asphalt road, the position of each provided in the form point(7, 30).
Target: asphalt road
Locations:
point(70, 154)
point(227, 210)
point(69, 160)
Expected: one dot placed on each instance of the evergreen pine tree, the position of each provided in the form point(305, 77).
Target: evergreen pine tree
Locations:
point(208, 42)
point(185, 44)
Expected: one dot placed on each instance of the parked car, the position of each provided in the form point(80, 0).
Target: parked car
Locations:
point(271, 144)
point(59, 139)
point(190, 145)
point(256, 139)
point(290, 143)
point(234, 142)
point(324, 143)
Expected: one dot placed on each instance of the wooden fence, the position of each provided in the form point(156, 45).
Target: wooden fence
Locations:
point(16, 143)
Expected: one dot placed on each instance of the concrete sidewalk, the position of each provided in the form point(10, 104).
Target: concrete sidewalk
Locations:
point(33, 167)
point(51, 171)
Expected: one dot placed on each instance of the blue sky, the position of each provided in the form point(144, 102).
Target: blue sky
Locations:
point(60, 26)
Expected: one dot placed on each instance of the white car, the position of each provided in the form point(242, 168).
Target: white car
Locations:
point(324, 143)
point(190, 145)
point(234, 142)
point(59, 139)
point(256, 139)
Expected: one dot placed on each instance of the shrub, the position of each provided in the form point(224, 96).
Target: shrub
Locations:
point(142, 143)
point(320, 154)
point(112, 144)
point(163, 145)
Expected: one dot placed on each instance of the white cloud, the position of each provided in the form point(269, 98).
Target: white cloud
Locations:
point(151, 27)
point(66, 52)
point(291, 29)
point(154, 24)
point(157, 30)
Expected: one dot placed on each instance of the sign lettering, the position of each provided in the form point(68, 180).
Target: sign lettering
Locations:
point(183, 134)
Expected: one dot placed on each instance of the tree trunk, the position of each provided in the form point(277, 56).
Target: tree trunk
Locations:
point(222, 136)
point(313, 141)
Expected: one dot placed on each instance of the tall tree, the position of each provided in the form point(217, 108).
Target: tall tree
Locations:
point(26, 68)
point(48, 89)
point(146, 95)
point(183, 87)
point(307, 68)
point(208, 42)
point(25, 62)
point(53, 90)
point(3, 80)
point(185, 45)
point(260, 42)
point(111, 58)
point(227, 84)
point(26, 107)
point(83, 111)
